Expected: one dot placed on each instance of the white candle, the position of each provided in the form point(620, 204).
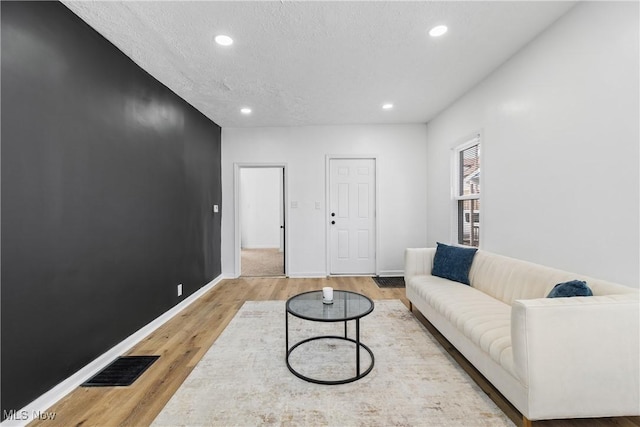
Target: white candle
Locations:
point(327, 293)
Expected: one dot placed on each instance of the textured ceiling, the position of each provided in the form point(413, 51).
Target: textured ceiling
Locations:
point(315, 63)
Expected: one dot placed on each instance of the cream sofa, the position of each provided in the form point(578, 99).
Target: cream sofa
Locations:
point(551, 358)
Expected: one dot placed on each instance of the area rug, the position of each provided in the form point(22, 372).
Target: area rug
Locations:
point(243, 379)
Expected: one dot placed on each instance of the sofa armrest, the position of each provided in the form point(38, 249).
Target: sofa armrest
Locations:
point(579, 357)
point(417, 262)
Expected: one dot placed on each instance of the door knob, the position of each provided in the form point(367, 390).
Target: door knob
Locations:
point(333, 214)
point(333, 222)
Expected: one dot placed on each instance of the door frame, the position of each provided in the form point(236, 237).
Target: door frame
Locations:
point(327, 204)
point(236, 205)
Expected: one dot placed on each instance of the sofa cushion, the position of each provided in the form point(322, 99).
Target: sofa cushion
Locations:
point(572, 288)
point(484, 320)
point(453, 263)
point(510, 279)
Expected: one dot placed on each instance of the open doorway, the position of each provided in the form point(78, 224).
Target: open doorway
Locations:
point(261, 221)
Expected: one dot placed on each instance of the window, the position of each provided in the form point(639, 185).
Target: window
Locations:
point(466, 197)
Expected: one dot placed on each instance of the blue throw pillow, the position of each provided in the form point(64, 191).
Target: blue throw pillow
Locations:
point(453, 262)
point(573, 288)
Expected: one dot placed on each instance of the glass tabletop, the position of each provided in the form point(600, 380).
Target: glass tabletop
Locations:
point(346, 306)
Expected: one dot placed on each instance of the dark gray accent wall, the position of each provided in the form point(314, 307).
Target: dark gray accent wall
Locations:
point(108, 182)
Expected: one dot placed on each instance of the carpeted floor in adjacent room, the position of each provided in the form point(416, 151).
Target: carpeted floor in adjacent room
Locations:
point(262, 262)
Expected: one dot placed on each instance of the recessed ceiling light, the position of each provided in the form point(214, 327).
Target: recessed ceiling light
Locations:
point(438, 31)
point(223, 40)
point(387, 106)
point(245, 110)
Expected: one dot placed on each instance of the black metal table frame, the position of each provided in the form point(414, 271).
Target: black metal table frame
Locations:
point(356, 341)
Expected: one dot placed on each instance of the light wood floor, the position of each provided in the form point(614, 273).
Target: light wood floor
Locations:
point(184, 340)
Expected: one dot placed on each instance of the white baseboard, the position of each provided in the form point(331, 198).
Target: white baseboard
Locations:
point(392, 273)
point(321, 274)
point(384, 273)
point(38, 408)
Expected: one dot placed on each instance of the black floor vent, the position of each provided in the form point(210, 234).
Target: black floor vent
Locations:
point(389, 282)
point(121, 372)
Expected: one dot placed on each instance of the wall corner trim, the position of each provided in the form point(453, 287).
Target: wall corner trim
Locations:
point(48, 399)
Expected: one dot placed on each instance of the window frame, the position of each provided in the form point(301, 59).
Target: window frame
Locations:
point(456, 197)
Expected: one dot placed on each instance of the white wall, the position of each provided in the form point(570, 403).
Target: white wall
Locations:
point(560, 122)
point(260, 207)
point(401, 151)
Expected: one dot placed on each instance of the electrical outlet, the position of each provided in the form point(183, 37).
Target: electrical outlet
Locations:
point(180, 289)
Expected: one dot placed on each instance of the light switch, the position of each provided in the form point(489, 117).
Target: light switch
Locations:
point(294, 205)
point(215, 208)
point(318, 205)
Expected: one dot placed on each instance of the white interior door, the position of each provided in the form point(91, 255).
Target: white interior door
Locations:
point(352, 192)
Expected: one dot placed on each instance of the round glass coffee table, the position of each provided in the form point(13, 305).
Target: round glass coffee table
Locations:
point(346, 306)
